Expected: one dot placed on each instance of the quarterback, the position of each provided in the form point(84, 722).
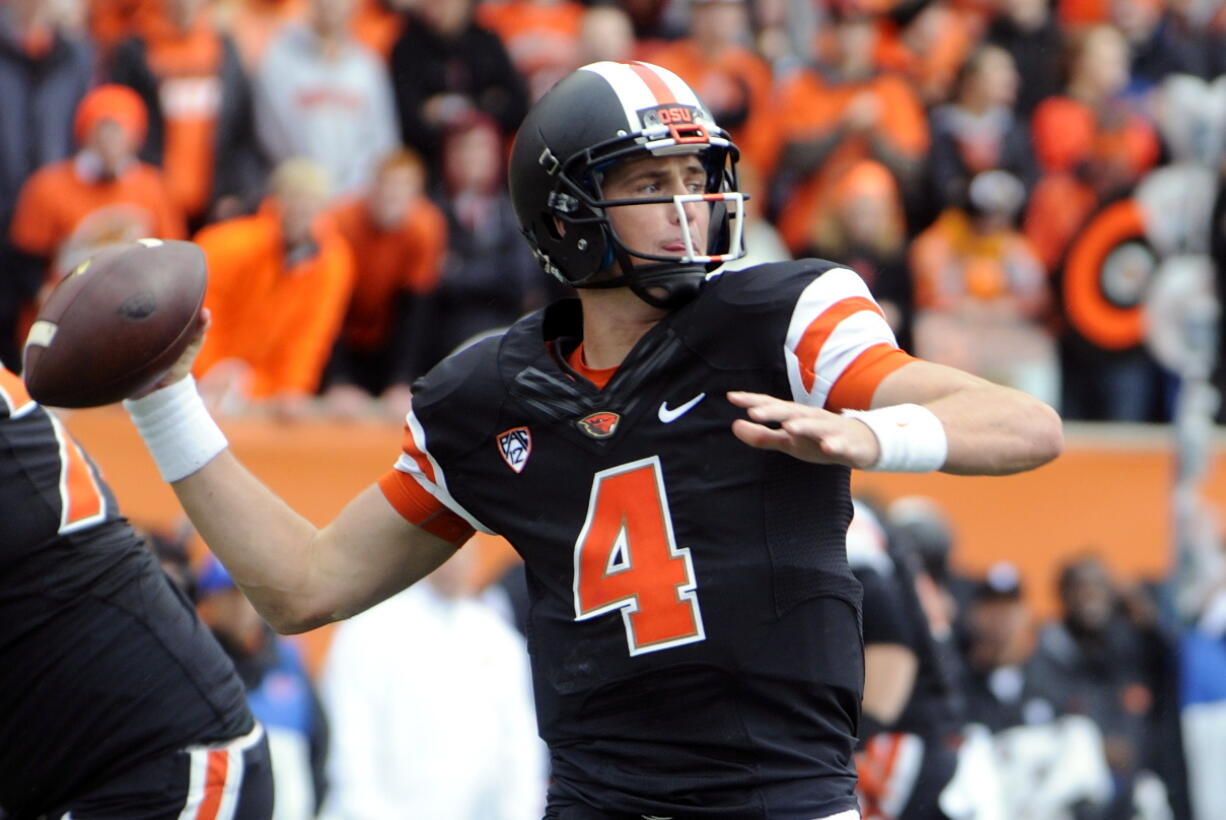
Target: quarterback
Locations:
point(670, 453)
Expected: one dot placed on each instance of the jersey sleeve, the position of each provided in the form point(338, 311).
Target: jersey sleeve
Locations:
point(417, 488)
point(839, 346)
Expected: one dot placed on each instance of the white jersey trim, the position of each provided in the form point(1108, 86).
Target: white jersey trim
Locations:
point(852, 335)
point(437, 488)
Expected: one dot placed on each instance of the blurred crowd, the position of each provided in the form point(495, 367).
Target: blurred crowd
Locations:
point(1011, 177)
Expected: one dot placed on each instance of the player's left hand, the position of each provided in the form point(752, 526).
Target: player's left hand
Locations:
point(807, 433)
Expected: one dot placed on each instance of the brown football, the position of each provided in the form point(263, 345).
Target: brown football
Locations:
point(116, 324)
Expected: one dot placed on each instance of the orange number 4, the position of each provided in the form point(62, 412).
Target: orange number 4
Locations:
point(626, 558)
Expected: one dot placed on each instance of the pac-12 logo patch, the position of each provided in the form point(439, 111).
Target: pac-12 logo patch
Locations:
point(515, 445)
point(599, 425)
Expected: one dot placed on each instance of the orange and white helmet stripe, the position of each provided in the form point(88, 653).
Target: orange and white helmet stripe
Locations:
point(642, 86)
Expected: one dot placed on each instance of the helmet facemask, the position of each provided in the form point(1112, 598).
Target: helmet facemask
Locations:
point(581, 209)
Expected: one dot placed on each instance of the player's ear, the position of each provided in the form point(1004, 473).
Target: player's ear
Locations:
point(559, 226)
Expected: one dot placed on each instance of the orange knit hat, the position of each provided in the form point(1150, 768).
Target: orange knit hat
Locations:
point(111, 102)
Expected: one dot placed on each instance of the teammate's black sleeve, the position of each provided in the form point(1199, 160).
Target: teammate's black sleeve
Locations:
point(885, 620)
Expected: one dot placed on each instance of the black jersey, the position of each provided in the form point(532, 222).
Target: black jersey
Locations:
point(694, 625)
point(104, 661)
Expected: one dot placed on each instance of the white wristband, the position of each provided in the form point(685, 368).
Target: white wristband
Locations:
point(177, 428)
point(911, 437)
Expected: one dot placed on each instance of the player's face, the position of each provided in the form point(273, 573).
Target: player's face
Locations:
point(656, 227)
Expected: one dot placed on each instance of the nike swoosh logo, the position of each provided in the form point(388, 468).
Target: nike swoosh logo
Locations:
point(668, 414)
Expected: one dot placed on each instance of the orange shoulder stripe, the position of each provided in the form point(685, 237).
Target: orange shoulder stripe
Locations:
point(855, 387)
point(419, 507)
point(821, 328)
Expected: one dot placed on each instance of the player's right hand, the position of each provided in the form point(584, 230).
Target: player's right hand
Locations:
point(803, 432)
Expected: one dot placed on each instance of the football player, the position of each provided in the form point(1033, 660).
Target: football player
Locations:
point(670, 454)
point(115, 701)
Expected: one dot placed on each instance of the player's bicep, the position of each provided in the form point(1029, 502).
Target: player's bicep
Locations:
point(370, 552)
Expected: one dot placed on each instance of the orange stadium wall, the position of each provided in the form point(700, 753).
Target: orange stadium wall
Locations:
point(1109, 491)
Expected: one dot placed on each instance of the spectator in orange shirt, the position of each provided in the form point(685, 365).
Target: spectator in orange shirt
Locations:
point(398, 237)
point(199, 98)
point(541, 37)
point(70, 209)
point(1091, 145)
point(733, 81)
point(111, 21)
point(279, 282)
point(981, 295)
point(866, 230)
point(847, 112)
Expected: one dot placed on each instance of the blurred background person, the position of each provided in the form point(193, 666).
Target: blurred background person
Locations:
point(541, 37)
point(979, 130)
point(279, 692)
point(103, 194)
point(45, 71)
point(731, 79)
point(321, 94)
point(198, 95)
point(446, 67)
point(605, 33)
point(1044, 766)
point(844, 110)
point(1106, 658)
point(923, 530)
point(1092, 145)
point(866, 230)
point(431, 700)
point(399, 239)
point(1030, 32)
point(279, 285)
point(256, 23)
point(1202, 700)
point(489, 277)
point(982, 298)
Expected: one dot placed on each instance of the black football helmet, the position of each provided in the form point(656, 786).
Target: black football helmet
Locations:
point(597, 116)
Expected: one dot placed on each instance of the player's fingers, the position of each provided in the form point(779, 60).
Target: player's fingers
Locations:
point(745, 398)
point(836, 440)
point(769, 438)
point(779, 412)
point(755, 435)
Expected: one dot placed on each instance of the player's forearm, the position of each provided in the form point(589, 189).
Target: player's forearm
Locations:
point(268, 548)
point(997, 431)
point(988, 429)
point(265, 545)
